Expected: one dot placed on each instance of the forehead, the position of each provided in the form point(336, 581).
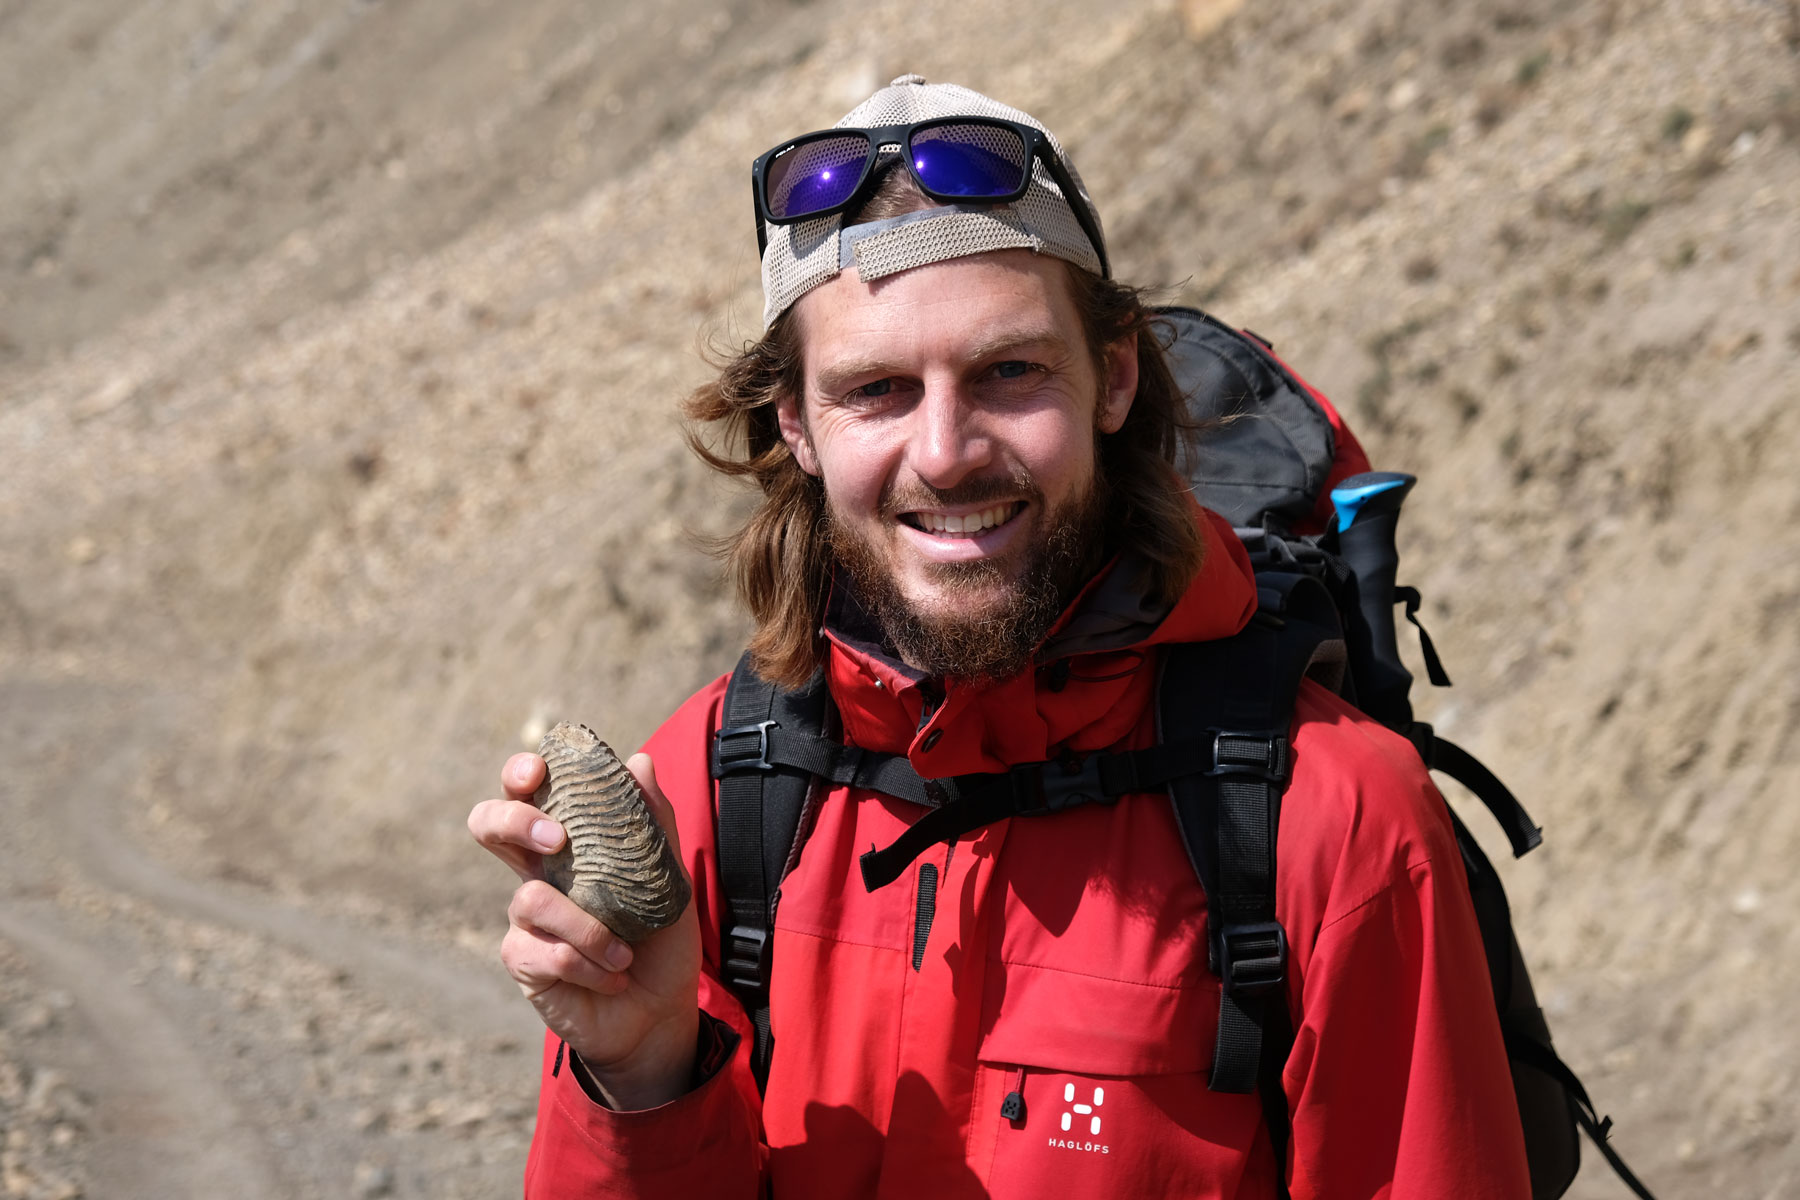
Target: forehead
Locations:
point(946, 310)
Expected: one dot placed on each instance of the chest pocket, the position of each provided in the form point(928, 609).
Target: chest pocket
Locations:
point(1099, 1020)
point(1093, 1087)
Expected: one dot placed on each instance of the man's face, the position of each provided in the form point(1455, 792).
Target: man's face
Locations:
point(952, 412)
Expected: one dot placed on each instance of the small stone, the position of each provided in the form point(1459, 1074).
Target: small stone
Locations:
point(82, 550)
point(42, 1096)
point(1204, 17)
point(1352, 105)
point(371, 1180)
point(1746, 902)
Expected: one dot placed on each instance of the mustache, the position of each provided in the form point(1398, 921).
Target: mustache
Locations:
point(917, 494)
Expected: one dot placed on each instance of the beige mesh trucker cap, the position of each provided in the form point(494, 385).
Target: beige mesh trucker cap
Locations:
point(802, 256)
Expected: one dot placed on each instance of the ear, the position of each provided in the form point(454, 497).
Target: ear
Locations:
point(793, 432)
point(1119, 388)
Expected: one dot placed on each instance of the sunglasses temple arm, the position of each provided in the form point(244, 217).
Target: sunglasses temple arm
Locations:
point(762, 229)
point(1078, 206)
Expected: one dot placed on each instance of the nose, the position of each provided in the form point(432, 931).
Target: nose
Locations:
point(949, 440)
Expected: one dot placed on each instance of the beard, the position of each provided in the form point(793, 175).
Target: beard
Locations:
point(960, 637)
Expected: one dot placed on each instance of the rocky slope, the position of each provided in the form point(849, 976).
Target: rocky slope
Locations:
point(338, 357)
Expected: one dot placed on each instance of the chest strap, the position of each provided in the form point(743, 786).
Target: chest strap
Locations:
point(965, 803)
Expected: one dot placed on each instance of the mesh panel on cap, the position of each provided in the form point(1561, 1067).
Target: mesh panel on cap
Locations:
point(801, 257)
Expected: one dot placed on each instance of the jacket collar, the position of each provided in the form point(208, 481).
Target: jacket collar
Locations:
point(1087, 690)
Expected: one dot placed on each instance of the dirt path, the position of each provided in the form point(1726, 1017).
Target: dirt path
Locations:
point(218, 1040)
point(165, 1125)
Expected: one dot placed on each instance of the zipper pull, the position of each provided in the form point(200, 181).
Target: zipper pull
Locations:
point(1013, 1107)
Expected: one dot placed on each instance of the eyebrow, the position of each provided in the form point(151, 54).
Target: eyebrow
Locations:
point(833, 377)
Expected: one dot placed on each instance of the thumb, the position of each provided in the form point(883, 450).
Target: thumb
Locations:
point(644, 771)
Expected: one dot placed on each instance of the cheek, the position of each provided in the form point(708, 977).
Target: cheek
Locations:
point(853, 482)
point(1062, 459)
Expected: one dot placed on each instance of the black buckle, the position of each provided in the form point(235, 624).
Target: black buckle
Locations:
point(1266, 758)
point(727, 759)
point(1049, 787)
point(746, 958)
point(1253, 957)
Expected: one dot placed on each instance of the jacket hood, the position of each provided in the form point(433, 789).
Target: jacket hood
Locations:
point(1091, 681)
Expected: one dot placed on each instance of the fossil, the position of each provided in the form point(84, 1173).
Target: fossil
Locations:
point(616, 865)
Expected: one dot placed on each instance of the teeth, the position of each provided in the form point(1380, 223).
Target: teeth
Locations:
point(973, 523)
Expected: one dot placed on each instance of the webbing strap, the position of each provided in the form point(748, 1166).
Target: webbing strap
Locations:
point(1250, 946)
point(971, 802)
point(1446, 756)
point(1434, 666)
point(1230, 820)
point(758, 816)
point(1533, 1053)
point(763, 745)
point(744, 952)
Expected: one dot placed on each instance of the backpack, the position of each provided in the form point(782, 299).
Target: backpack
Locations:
point(1278, 463)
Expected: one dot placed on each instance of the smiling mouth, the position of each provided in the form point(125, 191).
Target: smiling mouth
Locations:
point(988, 518)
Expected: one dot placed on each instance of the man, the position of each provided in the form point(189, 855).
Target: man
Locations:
point(964, 434)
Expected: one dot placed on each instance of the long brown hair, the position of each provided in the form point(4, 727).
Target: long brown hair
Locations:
point(780, 561)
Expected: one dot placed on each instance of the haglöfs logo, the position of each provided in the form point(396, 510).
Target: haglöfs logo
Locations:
point(1092, 1121)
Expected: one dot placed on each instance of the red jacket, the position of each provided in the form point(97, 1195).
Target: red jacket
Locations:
point(1067, 959)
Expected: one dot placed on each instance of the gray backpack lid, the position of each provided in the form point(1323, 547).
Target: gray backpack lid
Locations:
point(1269, 446)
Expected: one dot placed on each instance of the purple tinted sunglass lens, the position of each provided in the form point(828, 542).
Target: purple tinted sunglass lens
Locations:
point(815, 176)
point(970, 160)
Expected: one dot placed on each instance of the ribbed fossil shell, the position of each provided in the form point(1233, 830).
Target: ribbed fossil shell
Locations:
point(617, 865)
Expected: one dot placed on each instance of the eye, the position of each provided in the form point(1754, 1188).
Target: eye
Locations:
point(1015, 368)
point(870, 391)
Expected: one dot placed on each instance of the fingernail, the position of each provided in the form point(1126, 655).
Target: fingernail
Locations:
point(618, 956)
point(547, 834)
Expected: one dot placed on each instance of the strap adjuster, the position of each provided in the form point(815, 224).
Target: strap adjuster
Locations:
point(746, 958)
point(1047, 787)
point(1253, 957)
point(732, 754)
point(1269, 759)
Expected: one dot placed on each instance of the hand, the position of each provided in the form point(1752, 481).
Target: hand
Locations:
point(631, 1013)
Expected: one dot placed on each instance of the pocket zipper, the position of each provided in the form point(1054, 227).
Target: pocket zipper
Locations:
point(1013, 1107)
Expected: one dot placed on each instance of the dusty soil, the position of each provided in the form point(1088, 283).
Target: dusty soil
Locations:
point(338, 355)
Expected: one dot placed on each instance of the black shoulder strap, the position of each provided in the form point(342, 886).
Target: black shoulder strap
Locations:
point(760, 803)
point(1240, 692)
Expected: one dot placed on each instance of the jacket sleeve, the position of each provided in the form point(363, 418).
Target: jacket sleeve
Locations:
point(708, 1142)
point(1398, 1082)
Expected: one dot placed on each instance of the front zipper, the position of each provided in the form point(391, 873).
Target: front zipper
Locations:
point(927, 908)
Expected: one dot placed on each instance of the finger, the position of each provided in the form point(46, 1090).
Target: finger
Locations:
point(644, 771)
point(523, 775)
point(540, 908)
point(517, 834)
point(538, 962)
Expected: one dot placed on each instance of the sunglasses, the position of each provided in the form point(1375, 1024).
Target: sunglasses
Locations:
point(982, 160)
